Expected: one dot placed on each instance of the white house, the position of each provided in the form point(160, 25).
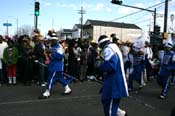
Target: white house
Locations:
point(124, 31)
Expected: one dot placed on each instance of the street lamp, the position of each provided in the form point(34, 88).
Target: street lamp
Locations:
point(16, 22)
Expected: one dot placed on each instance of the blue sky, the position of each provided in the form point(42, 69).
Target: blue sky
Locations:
point(59, 14)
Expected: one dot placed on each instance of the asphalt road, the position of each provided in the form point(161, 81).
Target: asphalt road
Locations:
point(22, 100)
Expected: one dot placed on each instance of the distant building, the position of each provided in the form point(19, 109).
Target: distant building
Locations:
point(92, 29)
point(76, 31)
point(124, 31)
point(73, 33)
point(64, 33)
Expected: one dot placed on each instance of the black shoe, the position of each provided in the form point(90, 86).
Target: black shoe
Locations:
point(43, 97)
point(14, 84)
point(9, 84)
point(126, 114)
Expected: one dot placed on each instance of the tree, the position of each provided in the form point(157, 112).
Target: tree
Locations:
point(25, 30)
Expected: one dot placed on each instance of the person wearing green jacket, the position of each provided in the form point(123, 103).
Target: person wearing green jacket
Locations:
point(10, 58)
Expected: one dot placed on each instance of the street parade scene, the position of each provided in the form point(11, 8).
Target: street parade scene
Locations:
point(117, 59)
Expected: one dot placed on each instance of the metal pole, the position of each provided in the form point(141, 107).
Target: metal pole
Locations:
point(137, 7)
point(34, 14)
point(7, 28)
point(81, 12)
point(53, 24)
point(17, 25)
point(165, 16)
point(36, 22)
point(154, 18)
point(81, 23)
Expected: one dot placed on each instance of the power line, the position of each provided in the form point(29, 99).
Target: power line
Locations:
point(140, 17)
point(146, 14)
point(138, 11)
point(171, 4)
point(142, 21)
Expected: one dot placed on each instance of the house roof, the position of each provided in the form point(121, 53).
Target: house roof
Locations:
point(67, 30)
point(78, 25)
point(111, 24)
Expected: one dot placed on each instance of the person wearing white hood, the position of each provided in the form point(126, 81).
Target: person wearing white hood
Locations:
point(135, 59)
point(148, 59)
point(171, 28)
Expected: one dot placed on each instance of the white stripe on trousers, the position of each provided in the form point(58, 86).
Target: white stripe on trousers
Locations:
point(110, 108)
point(51, 81)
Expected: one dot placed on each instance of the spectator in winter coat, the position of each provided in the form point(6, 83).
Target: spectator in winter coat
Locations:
point(39, 51)
point(27, 60)
point(10, 58)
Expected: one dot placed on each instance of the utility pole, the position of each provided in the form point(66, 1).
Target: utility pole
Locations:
point(82, 12)
point(165, 16)
point(17, 25)
point(154, 18)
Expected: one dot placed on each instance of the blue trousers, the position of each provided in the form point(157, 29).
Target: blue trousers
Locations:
point(54, 76)
point(164, 82)
point(135, 75)
point(110, 106)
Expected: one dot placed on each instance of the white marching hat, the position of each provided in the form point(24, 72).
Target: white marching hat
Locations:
point(47, 37)
point(103, 38)
point(168, 45)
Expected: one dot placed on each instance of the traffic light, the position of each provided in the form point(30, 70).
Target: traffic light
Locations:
point(119, 2)
point(37, 8)
point(156, 30)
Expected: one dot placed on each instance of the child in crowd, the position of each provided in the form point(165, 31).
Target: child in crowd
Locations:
point(10, 58)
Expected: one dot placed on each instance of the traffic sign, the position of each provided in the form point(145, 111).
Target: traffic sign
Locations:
point(7, 24)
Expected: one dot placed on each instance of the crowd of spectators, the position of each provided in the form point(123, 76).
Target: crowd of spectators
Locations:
point(19, 55)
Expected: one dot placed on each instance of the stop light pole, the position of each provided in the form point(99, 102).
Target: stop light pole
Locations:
point(119, 2)
point(36, 22)
point(36, 13)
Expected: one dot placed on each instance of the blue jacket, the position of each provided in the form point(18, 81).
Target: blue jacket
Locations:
point(56, 60)
point(114, 85)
